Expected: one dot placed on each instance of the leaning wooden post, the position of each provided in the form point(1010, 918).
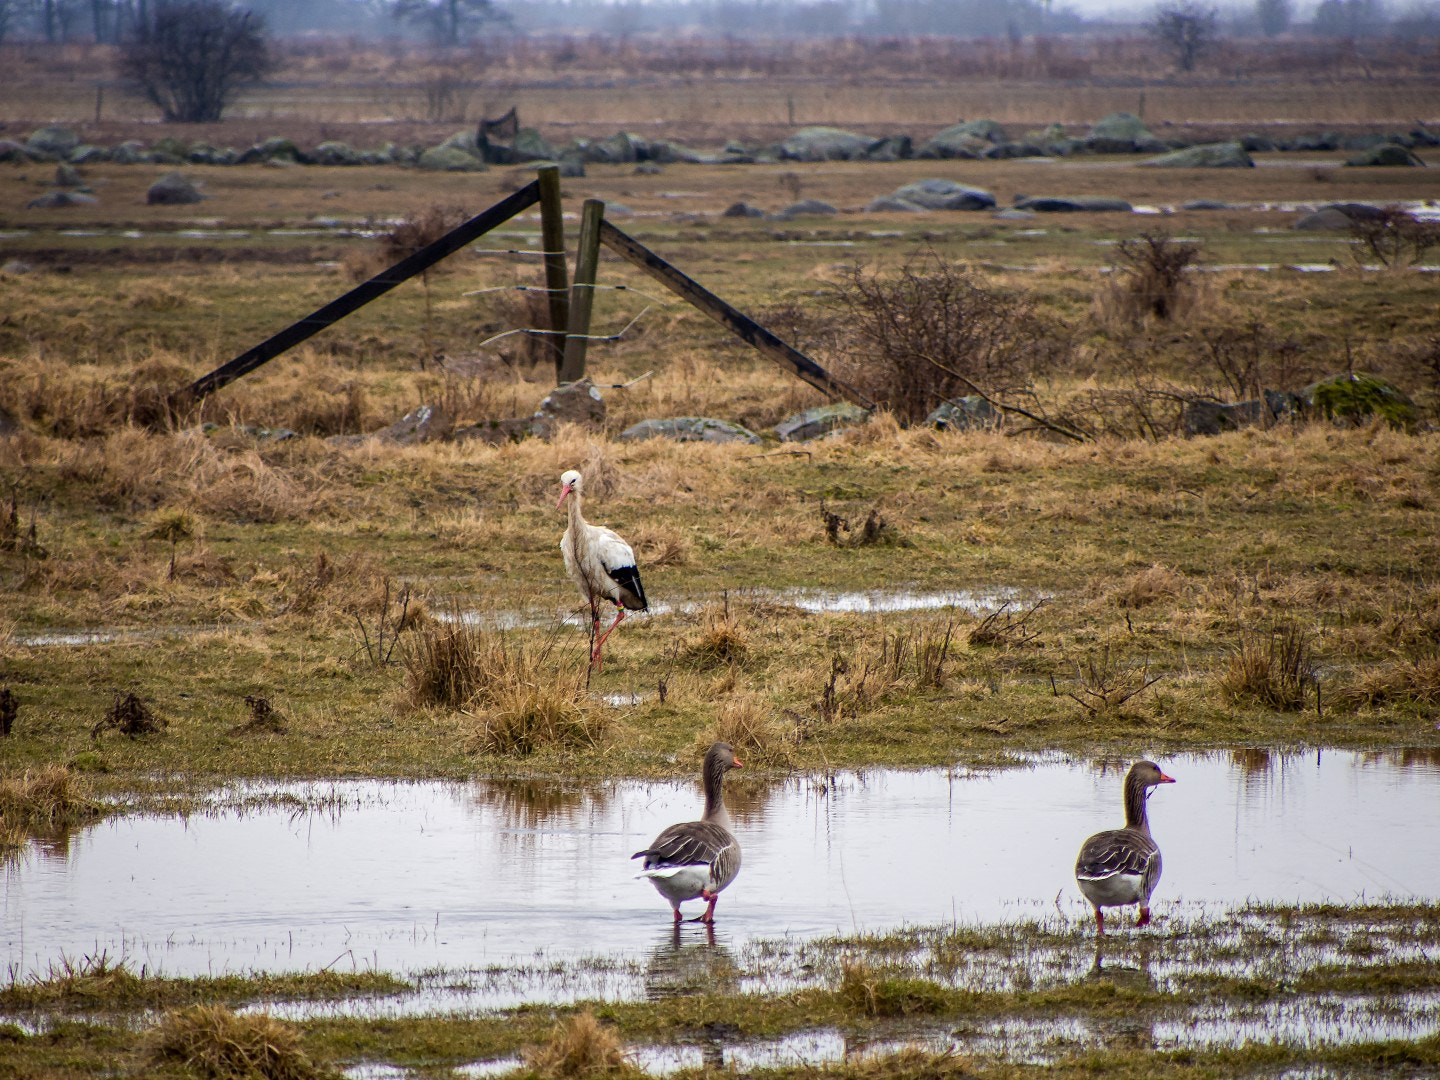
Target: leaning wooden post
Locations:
point(557, 275)
point(738, 323)
point(582, 291)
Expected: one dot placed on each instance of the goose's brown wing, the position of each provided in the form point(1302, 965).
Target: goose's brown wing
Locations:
point(1117, 851)
point(693, 843)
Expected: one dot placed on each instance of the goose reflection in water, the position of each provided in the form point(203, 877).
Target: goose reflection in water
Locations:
point(688, 960)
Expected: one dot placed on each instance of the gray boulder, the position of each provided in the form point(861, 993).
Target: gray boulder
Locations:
point(444, 158)
point(889, 204)
point(1225, 155)
point(1006, 151)
point(742, 209)
point(689, 429)
point(1258, 144)
point(825, 144)
point(493, 432)
point(807, 208)
point(1356, 397)
point(821, 420)
point(130, 152)
point(1316, 141)
point(1011, 214)
point(1054, 204)
point(67, 176)
point(89, 154)
point(939, 194)
point(55, 200)
point(622, 148)
point(669, 153)
point(970, 413)
point(51, 143)
point(571, 403)
point(12, 151)
point(1326, 219)
point(892, 148)
point(333, 152)
point(954, 145)
point(425, 424)
point(1122, 133)
point(1214, 417)
point(1386, 154)
point(173, 189)
point(1205, 204)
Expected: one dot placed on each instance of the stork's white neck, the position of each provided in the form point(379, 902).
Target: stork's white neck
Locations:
point(577, 522)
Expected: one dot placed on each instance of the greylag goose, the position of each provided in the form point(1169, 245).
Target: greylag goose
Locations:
point(601, 564)
point(697, 859)
point(1122, 866)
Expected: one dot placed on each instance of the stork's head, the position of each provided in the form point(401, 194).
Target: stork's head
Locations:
point(569, 481)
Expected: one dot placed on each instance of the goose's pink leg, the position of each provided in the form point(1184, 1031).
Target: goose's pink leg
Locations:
point(1144, 919)
point(1099, 922)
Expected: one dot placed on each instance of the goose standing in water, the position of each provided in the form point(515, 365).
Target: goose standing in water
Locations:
point(697, 859)
point(601, 564)
point(1122, 866)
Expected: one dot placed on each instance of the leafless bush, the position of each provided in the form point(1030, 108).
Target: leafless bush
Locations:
point(874, 530)
point(411, 235)
point(1248, 359)
point(1393, 237)
point(1005, 627)
point(446, 94)
point(1149, 277)
point(928, 332)
point(1105, 683)
point(129, 716)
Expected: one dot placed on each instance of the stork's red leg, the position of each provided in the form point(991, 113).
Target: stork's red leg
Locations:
point(619, 615)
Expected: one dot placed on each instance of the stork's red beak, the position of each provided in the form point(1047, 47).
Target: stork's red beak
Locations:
point(1166, 779)
point(563, 492)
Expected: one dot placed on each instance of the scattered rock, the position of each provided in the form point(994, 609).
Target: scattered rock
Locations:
point(1011, 214)
point(807, 208)
point(571, 403)
point(889, 204)
point(742, 209)
point(52, 142)
point(67, 176)
point(1214, 417)
point(821, 420)
point(15, 266)
point(969, 413)
point(450, 159)
point(825, 144)
point(1205, 204)
point(493, 432)
point(12, 151)
point(54, 200)
point(1122, 133)
point(1326, 219)
point(689, 429)
point(1356, 397)
point(335, 153)
point(1224, 155)
point(173, 189)
point(1050, 204)
point(130, 152)
point(648, 168)
point(939, 194)
point(89, 154)
point(1387, 154)
point(422, 425)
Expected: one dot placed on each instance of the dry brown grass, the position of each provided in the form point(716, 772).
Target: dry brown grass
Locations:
point(1275, 670)
point(866, 991)
point(1155, 583)
point(213, 1042)
point(1398, 680)
point(750, 724)
point(580, 1047)
point(45, 802)
point(722, 640)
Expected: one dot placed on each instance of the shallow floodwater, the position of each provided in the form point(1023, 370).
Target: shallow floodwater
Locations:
point(417, 876)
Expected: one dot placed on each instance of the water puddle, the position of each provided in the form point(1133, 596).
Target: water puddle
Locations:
point(423, 877)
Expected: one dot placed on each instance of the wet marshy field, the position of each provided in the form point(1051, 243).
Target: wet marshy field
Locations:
point(1300, 879)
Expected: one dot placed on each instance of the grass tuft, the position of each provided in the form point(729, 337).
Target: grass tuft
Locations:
point(867, 992)
point(1273, 670)
point(723, 641)
point(212, 1041)
point(580, 1047)
point(45, 801)
point(751, 726)
point(1400, 679)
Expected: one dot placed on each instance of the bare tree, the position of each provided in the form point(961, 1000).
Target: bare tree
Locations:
point(449, 22)
point(1273, 16)
point(195, 56)
point(1186, 29)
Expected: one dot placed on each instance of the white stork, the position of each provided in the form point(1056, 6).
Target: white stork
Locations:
point(601, 564)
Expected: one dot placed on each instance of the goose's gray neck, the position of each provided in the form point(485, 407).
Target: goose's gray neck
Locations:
point(1135, 791)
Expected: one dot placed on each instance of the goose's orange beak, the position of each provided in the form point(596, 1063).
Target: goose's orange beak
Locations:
point(735, 763)
point(1166, 779)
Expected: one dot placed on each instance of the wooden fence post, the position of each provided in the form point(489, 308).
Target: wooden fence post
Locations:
point(557, 275)
point(582, 291)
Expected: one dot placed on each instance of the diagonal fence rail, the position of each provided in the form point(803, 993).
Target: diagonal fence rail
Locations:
point(358, 297)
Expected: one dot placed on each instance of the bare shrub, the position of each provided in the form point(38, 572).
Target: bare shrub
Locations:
point(1273, 670)
point(130, 716)
point(1104, 683)
point(411, 235)
point(1393, 237)
point(1149, 278)
point(1003, 627)
point(526, 309)
point(212, 1041)
point(1248, 359)
point(874, 530)
point(930, 331)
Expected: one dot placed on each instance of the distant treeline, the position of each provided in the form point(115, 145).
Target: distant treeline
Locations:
point(111, 20)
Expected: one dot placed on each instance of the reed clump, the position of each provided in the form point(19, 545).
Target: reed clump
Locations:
point(580, 1047)
point(867, 991)
point(1397, 680)
point(213, 1042)
point(45, 801)
point(1275, 670)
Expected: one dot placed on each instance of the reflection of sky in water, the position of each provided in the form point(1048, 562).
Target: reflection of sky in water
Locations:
point(408, 877)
